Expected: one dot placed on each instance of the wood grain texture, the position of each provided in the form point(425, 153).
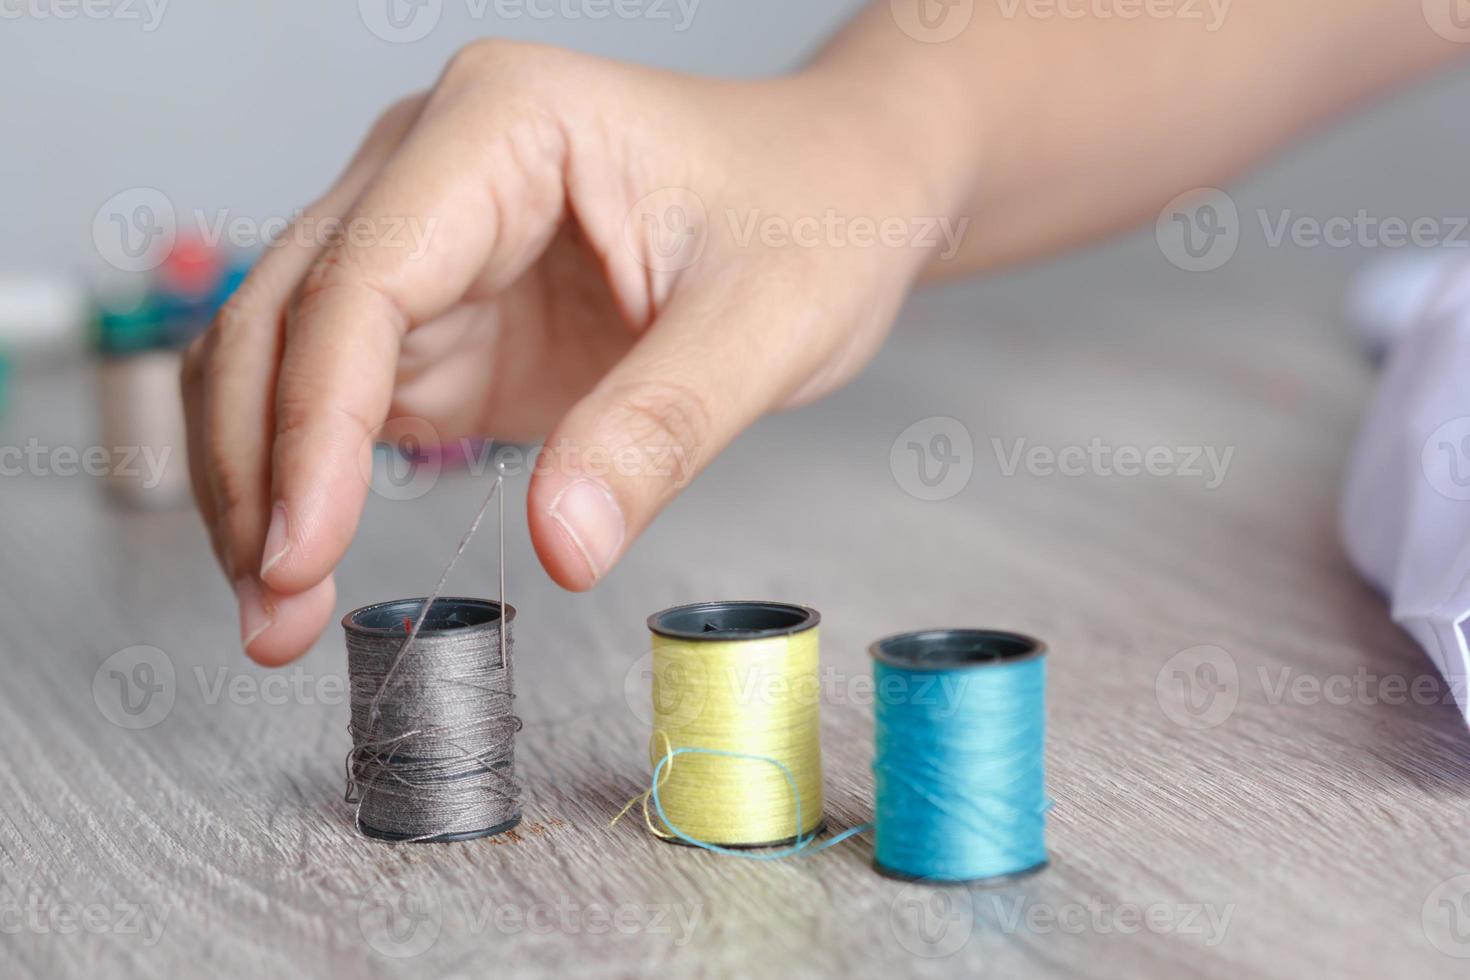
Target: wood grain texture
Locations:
point(1300, 835)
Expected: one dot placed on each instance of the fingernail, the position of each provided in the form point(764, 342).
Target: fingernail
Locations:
point(256, 615)
point(593, 519)
point(276, 541)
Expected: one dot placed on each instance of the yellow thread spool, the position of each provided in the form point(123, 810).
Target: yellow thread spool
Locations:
point(741, 678)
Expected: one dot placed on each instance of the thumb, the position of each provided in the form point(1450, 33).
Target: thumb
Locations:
point(702, 374)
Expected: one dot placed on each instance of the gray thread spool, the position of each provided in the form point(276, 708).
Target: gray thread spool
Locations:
point(433, 732)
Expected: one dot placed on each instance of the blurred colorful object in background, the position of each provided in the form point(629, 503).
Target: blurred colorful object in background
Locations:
point(39, 314)
point(141, 325)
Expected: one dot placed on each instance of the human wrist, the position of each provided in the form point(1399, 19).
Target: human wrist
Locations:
point(908, 116)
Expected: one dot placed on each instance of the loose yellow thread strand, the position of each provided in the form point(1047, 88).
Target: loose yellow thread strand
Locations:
point(646, 795)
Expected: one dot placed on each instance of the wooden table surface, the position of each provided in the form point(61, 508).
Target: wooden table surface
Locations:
point(1242, 786)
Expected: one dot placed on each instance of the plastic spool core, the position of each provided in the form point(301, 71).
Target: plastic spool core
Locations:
point(446, 615)
point(957, 649)
point(952, 649)
point(723, 621)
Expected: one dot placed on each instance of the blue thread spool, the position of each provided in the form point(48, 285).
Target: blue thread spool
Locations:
point(960, 721)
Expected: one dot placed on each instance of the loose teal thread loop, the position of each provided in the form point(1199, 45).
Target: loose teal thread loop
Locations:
point(959, 767)
point(802, 846)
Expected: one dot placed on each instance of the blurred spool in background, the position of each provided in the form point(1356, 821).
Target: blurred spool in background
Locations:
point(134, 327)
point(960, 732)
point(142, 325)
point(41, 318)
point(736, 713)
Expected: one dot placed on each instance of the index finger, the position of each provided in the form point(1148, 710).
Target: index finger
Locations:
point(431, 226)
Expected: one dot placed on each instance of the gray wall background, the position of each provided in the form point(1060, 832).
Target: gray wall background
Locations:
point(253, 107)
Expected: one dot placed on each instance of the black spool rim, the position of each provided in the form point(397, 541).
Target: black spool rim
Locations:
point(467, 835)
point(994, 881)
point(762, 620)
point(810, 835)
point(392, 613)
point(956, 649)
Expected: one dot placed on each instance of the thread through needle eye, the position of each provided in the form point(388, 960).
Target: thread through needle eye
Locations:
point(500, 532)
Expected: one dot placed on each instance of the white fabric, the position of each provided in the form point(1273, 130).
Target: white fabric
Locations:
point(1406, 508)
point(1388, 298)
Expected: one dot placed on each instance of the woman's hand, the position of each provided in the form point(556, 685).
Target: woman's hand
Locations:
point(636, 263)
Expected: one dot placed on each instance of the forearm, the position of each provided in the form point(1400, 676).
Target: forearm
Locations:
point(1049, 131)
